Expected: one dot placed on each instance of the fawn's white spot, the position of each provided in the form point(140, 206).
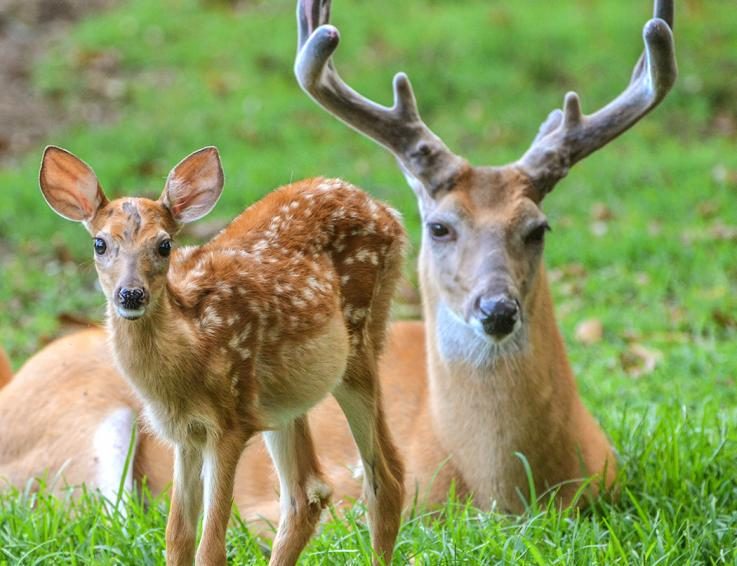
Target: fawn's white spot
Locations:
point(235, 345)
point(225, 288)
point(298, 303)
point(210, 318)
point(184, 252)
point(234, 379)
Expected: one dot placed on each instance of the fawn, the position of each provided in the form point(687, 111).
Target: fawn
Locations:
point(245, 334)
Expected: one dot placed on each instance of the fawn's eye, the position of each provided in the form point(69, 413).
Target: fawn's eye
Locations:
point(440, 232)
point(165, 248)
point(537, 234)
point(100, 246)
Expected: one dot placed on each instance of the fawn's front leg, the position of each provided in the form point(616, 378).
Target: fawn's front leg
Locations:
point(220, 459)
point(186, 503)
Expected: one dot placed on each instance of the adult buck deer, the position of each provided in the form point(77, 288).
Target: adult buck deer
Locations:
point(457, 416)
point(499, 382)
point(245, 334)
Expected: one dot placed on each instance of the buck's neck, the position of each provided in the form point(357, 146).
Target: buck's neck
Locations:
point(486, 407)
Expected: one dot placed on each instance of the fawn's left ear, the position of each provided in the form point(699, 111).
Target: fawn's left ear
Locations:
point(69, 185)
point(194, 185)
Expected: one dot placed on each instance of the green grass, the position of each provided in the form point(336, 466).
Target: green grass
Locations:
point(664, 275)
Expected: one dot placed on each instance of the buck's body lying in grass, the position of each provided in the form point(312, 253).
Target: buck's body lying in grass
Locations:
point(245, 334)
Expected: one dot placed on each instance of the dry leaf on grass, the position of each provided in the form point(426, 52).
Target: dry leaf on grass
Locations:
point(638, 360)
point(707, 209)
point(723, 319)
point(601, 212)
point(589, 331)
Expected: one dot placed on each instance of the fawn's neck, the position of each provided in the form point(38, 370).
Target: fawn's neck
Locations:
point(150, 350)
point(488, 407)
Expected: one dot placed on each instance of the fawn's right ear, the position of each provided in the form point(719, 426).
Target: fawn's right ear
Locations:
point(69, 186)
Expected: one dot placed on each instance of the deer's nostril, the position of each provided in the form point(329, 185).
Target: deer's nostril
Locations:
point(131, 298)
point(498, 315)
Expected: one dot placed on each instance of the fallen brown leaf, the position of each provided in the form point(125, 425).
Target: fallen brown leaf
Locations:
point(639, 360)
point(601, 212)
point(707, 209)
point(723, 319)
point(589, 331)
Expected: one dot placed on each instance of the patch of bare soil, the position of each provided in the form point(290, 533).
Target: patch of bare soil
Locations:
point(27, 29)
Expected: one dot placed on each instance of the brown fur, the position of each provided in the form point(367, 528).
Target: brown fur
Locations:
point(246, 333)
point(6, 372)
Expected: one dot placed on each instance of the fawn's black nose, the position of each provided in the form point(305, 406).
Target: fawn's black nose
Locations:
point(131, 298)
point(499, 315)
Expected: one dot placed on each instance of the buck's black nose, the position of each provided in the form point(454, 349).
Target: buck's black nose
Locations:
point(131, 298)
point(498, 315)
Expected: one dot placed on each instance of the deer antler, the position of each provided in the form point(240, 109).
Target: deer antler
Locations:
point(400, 129)
point(567, 135)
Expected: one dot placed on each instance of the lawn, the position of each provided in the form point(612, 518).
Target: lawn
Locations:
point(644, 236)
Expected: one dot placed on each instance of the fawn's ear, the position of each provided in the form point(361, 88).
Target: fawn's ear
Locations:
point(69, 185)
point(194, 185)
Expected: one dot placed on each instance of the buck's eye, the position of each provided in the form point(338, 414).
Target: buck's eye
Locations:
point(100, 246)
point(165, 248)
point(440, 232)
point(537, 234)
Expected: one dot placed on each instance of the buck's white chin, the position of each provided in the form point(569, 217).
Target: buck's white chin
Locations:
point(130, 314)
point(462, 341)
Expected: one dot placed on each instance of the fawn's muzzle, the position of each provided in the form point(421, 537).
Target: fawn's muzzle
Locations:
point(131, 302)
point(499, 315)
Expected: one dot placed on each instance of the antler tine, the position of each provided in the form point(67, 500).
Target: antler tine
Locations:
point(310, 15)
point(422, 155)
point(568, 136)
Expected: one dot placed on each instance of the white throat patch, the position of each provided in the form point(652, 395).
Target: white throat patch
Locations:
point(459, 341)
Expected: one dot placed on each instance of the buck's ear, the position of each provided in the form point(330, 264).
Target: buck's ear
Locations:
point(69, 185)
point(194, 185)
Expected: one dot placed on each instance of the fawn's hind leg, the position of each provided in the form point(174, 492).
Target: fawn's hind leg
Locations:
point(302, 492)
point(359, 398)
